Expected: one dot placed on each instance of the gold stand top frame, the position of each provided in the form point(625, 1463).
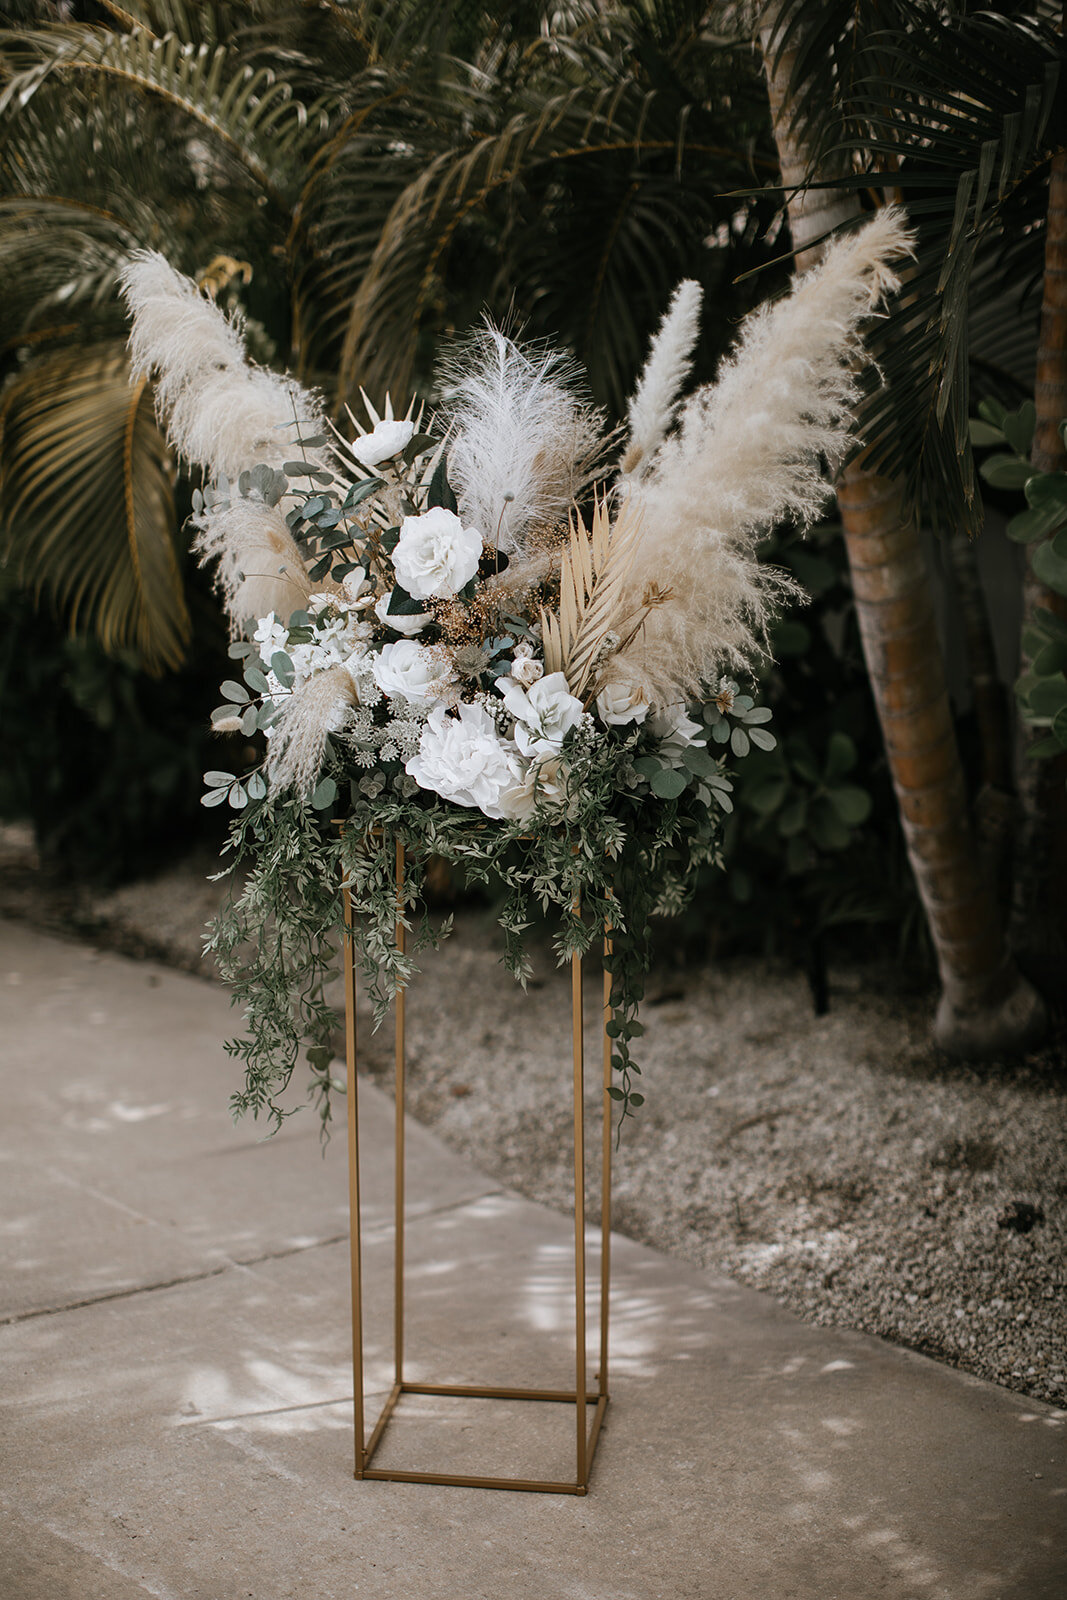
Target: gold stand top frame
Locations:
point(581, 1396)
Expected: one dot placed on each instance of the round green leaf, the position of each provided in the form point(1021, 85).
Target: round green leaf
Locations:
point(668, 784)
point(840, 756)
point(235, 692)
point(762, 739)
point(852, 804)
point(214, 797)
point(219, 780)
point(739, 742)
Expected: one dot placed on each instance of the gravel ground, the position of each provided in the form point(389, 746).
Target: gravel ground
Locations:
point(839, 1163)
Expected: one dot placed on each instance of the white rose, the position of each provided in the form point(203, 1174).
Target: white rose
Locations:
point(464, 759)
point(411, 671)
point(412, 623)
point(436, 555)
point(621, 702)
point(544, 715)
point(526, 669)
point(674, 731)
point(387, 439)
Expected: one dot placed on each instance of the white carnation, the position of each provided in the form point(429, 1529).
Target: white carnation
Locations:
point(464, 760)
point(387, 439)
point(544, 714)
point(412, 672)
point(436, 555)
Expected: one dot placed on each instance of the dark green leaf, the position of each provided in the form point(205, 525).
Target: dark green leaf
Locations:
point(852, 804)
point(1006, 472)
point(1050, 567)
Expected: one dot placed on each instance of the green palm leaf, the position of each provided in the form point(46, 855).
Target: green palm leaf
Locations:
point(86, 486)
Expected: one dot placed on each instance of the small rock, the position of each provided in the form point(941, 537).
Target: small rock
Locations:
point(1020, 1216)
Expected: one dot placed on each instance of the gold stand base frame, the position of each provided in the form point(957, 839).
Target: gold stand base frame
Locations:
point(589, 1400)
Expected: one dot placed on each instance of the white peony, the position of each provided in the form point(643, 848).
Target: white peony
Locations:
point(436, 555)
point(385, 440)
point(544, 714)
point(621, 702)
point(464, 760)
point(412, 623)
point(412, 672)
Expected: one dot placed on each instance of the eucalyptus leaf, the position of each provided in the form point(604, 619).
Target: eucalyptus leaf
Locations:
point(325, 794)
point(668, 783)
point(235, 692)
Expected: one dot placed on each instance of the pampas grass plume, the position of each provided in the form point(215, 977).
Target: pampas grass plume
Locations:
point(260, 568)
point(749, 452)
point(656, 398)
point(307, 718)
point(220, 413)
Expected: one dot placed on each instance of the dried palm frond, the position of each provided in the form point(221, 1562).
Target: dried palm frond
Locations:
point(593, 612)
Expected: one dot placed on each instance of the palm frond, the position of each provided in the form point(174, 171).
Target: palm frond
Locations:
point(252, 112)
point(593, 614)
point(86, 485)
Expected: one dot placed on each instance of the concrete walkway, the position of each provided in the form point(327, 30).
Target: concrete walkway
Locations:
point(176, 1380)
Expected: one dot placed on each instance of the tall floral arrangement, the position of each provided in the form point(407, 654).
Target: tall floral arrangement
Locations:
point(493, 631)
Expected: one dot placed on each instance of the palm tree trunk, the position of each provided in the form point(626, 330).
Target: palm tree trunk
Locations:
point(986, 1007)
point(1039, 911)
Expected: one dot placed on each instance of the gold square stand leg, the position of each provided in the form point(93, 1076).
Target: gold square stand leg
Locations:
point(582, 1396)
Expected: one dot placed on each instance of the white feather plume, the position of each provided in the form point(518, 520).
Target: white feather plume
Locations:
point(656, 399)
point(524, 442)
point(220, 413)
point(750, 451)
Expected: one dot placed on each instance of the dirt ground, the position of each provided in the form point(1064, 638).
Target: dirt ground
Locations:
point(840, 1163)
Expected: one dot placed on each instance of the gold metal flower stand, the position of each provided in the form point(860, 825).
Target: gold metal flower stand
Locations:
point(589, 1399)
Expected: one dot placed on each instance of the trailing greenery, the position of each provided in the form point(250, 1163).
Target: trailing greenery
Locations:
point(602, 862)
